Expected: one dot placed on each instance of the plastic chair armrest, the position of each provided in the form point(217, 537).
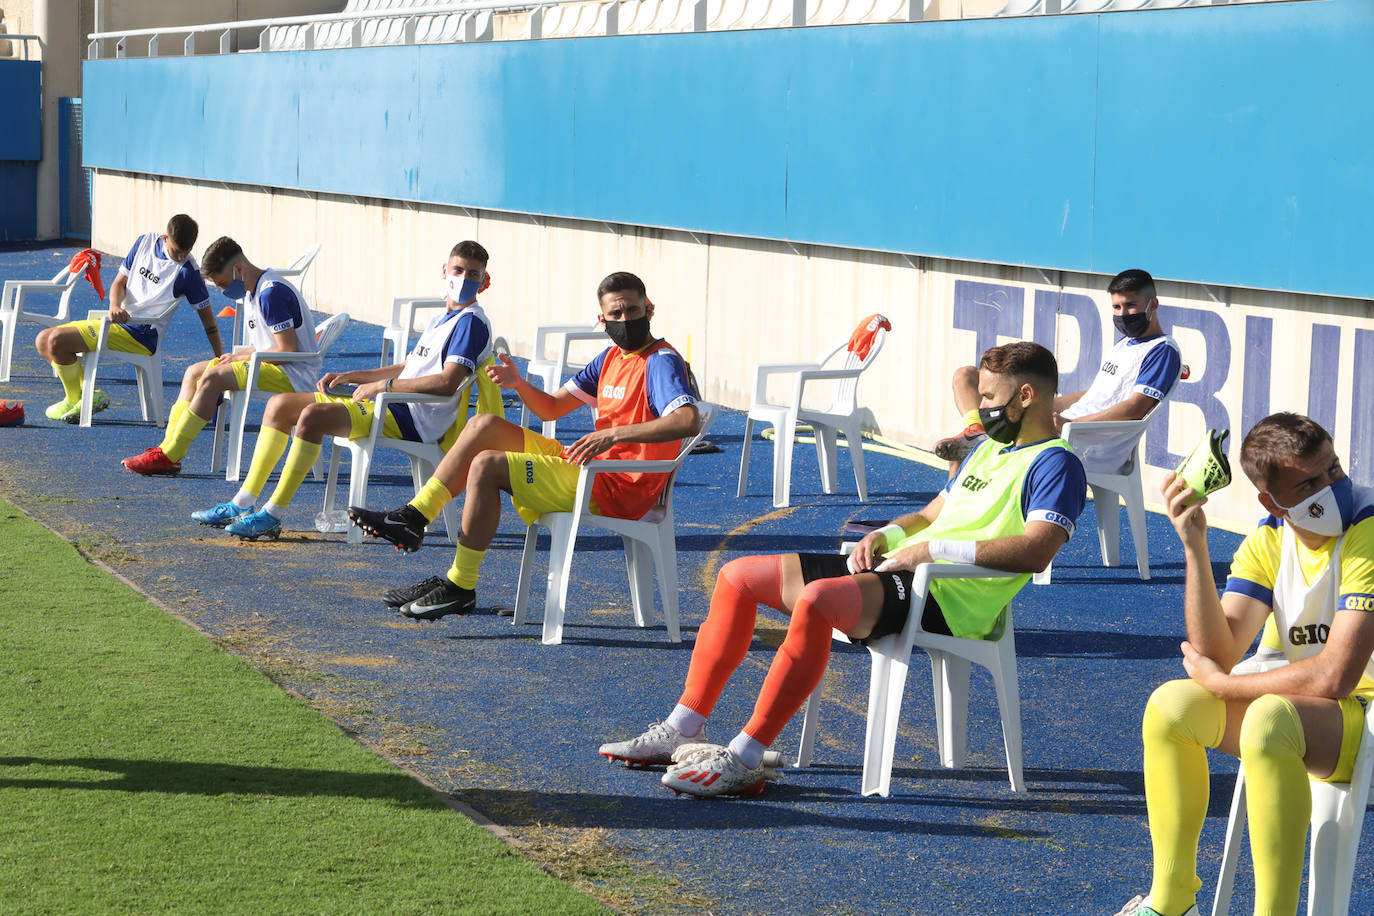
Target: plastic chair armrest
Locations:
point(284, 356)
point(629, 465)
point(1103, 426)
point(814, 374)
point(779, 368)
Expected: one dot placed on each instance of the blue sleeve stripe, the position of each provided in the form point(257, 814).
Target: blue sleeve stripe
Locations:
point(1246, 588)
point(665, 381)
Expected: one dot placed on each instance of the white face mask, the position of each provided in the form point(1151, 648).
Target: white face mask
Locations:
point(1326, 512)
point(460, 289)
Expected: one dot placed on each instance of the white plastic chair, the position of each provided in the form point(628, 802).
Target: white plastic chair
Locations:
point(841, 416)
point(1111, 486)
point(550, 372)
point(951, 658)
point(1338, 811)
point(12, 310)
point(232, 415)
point(294, 272)
point(650, 544)
point(147, 369)
point(396, 335)
point(424, 456)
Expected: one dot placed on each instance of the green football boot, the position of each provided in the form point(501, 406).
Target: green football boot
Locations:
point(1206, 469)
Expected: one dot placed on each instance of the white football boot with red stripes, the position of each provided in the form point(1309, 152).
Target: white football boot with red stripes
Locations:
point(708, 771)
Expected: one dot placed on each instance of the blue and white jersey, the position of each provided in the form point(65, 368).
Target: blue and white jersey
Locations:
point(154, 284)
point(666, 386)
point(461, 336)
point(1150, 367)
point(276, 306)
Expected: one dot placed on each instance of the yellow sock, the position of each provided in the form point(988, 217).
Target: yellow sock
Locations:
point(463, 573)
point(431, 499)
point(1182, 720)
point(1272, 745)
point(298, 463)
point(271, 445)
point(175, 414)
point(70, 376)
point(971, 418)
point(180, 436)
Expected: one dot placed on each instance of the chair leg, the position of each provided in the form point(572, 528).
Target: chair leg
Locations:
point(854, 436)
point(951, 704)
point(665, 562)
point(221, 421)
point(1107, 503)
point(1135, 514)
point(358, 476)
point(1329, 837)
point(238, 420)
point(7, 327)
point(1230, 852)
point(92, 362)
point(641, 571)
point(331, 488)
point(811, 720)
point(827, 457)
point(522, 586)
point(744, 457)
point(784, 433)
point(875, 734)
point(1009, 705)
point(560, 567)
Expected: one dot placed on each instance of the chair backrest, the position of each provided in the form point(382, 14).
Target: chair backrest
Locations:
point(860, 349)
point(707, 411)
point(301, 264)
point(328, 331)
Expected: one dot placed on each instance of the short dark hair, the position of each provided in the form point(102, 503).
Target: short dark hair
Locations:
point(470, 249)
point(1134, 280)
point(1024, 361)
point(622, 281)
point(220, 254)
point(183, 232)
point(1277, 439)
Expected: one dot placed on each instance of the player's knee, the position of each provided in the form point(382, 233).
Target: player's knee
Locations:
point(1272, 726)
point(488, 469)
point(483, 424)
point(1183, 708)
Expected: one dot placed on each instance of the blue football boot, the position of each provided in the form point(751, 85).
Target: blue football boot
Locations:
point(255, 525)
point(219, 516)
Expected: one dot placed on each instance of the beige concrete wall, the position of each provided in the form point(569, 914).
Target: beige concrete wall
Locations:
point(16, 18)
point(729, 304)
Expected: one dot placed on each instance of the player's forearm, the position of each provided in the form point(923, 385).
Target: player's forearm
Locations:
point(1020, 553)
point(1204, 620)
point(1310, 677)
point(117, 291)
point(680, 424)
point(1065, 401)
point(541, 403)
point(212, 335)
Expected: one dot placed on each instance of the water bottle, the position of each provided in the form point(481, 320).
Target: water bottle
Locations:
point(331, 521)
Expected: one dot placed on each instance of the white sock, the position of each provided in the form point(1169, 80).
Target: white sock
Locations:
point(244, 500)
point(748, 750)
point(686, 722)
point(274, 510)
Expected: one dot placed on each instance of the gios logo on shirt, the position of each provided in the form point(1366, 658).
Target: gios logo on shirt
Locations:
point(1357, 603)
point(613, 392)
point(1314, 634)
point(149, 275)
point(973, 484)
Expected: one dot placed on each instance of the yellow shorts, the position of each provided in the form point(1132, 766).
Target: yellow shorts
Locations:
point(541, 480)
point(360, 414)
point(119, 338)
point(1352, 714)
point(270, 378)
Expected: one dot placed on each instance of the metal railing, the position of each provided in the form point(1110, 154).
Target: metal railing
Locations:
point(24, 39)
point(570, 18)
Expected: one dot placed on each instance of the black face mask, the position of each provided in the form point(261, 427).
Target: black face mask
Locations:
point(1132, 325)
point(629, 335)
point(997, 426)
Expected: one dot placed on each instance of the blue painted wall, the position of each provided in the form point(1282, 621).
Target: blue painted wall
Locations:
point(21, 146)
point(1219, 144)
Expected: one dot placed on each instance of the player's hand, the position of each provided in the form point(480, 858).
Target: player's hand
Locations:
point(591, 445)
point(368, 390)
point(908, 558)
point(1188, 520)
point(329, 381)
point(118, 315)
point(867, 552)
point(505, 373)
point(1201, 668)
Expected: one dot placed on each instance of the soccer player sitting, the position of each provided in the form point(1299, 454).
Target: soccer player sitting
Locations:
point(644, 409)
point(453, 345)
point(1135, 375)
point(1311, 564)
point(1011, 506)
point(277, 321)
point(158, 272)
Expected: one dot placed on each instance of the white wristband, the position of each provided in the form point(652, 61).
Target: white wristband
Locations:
point(892, 535)
point(953, 551)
